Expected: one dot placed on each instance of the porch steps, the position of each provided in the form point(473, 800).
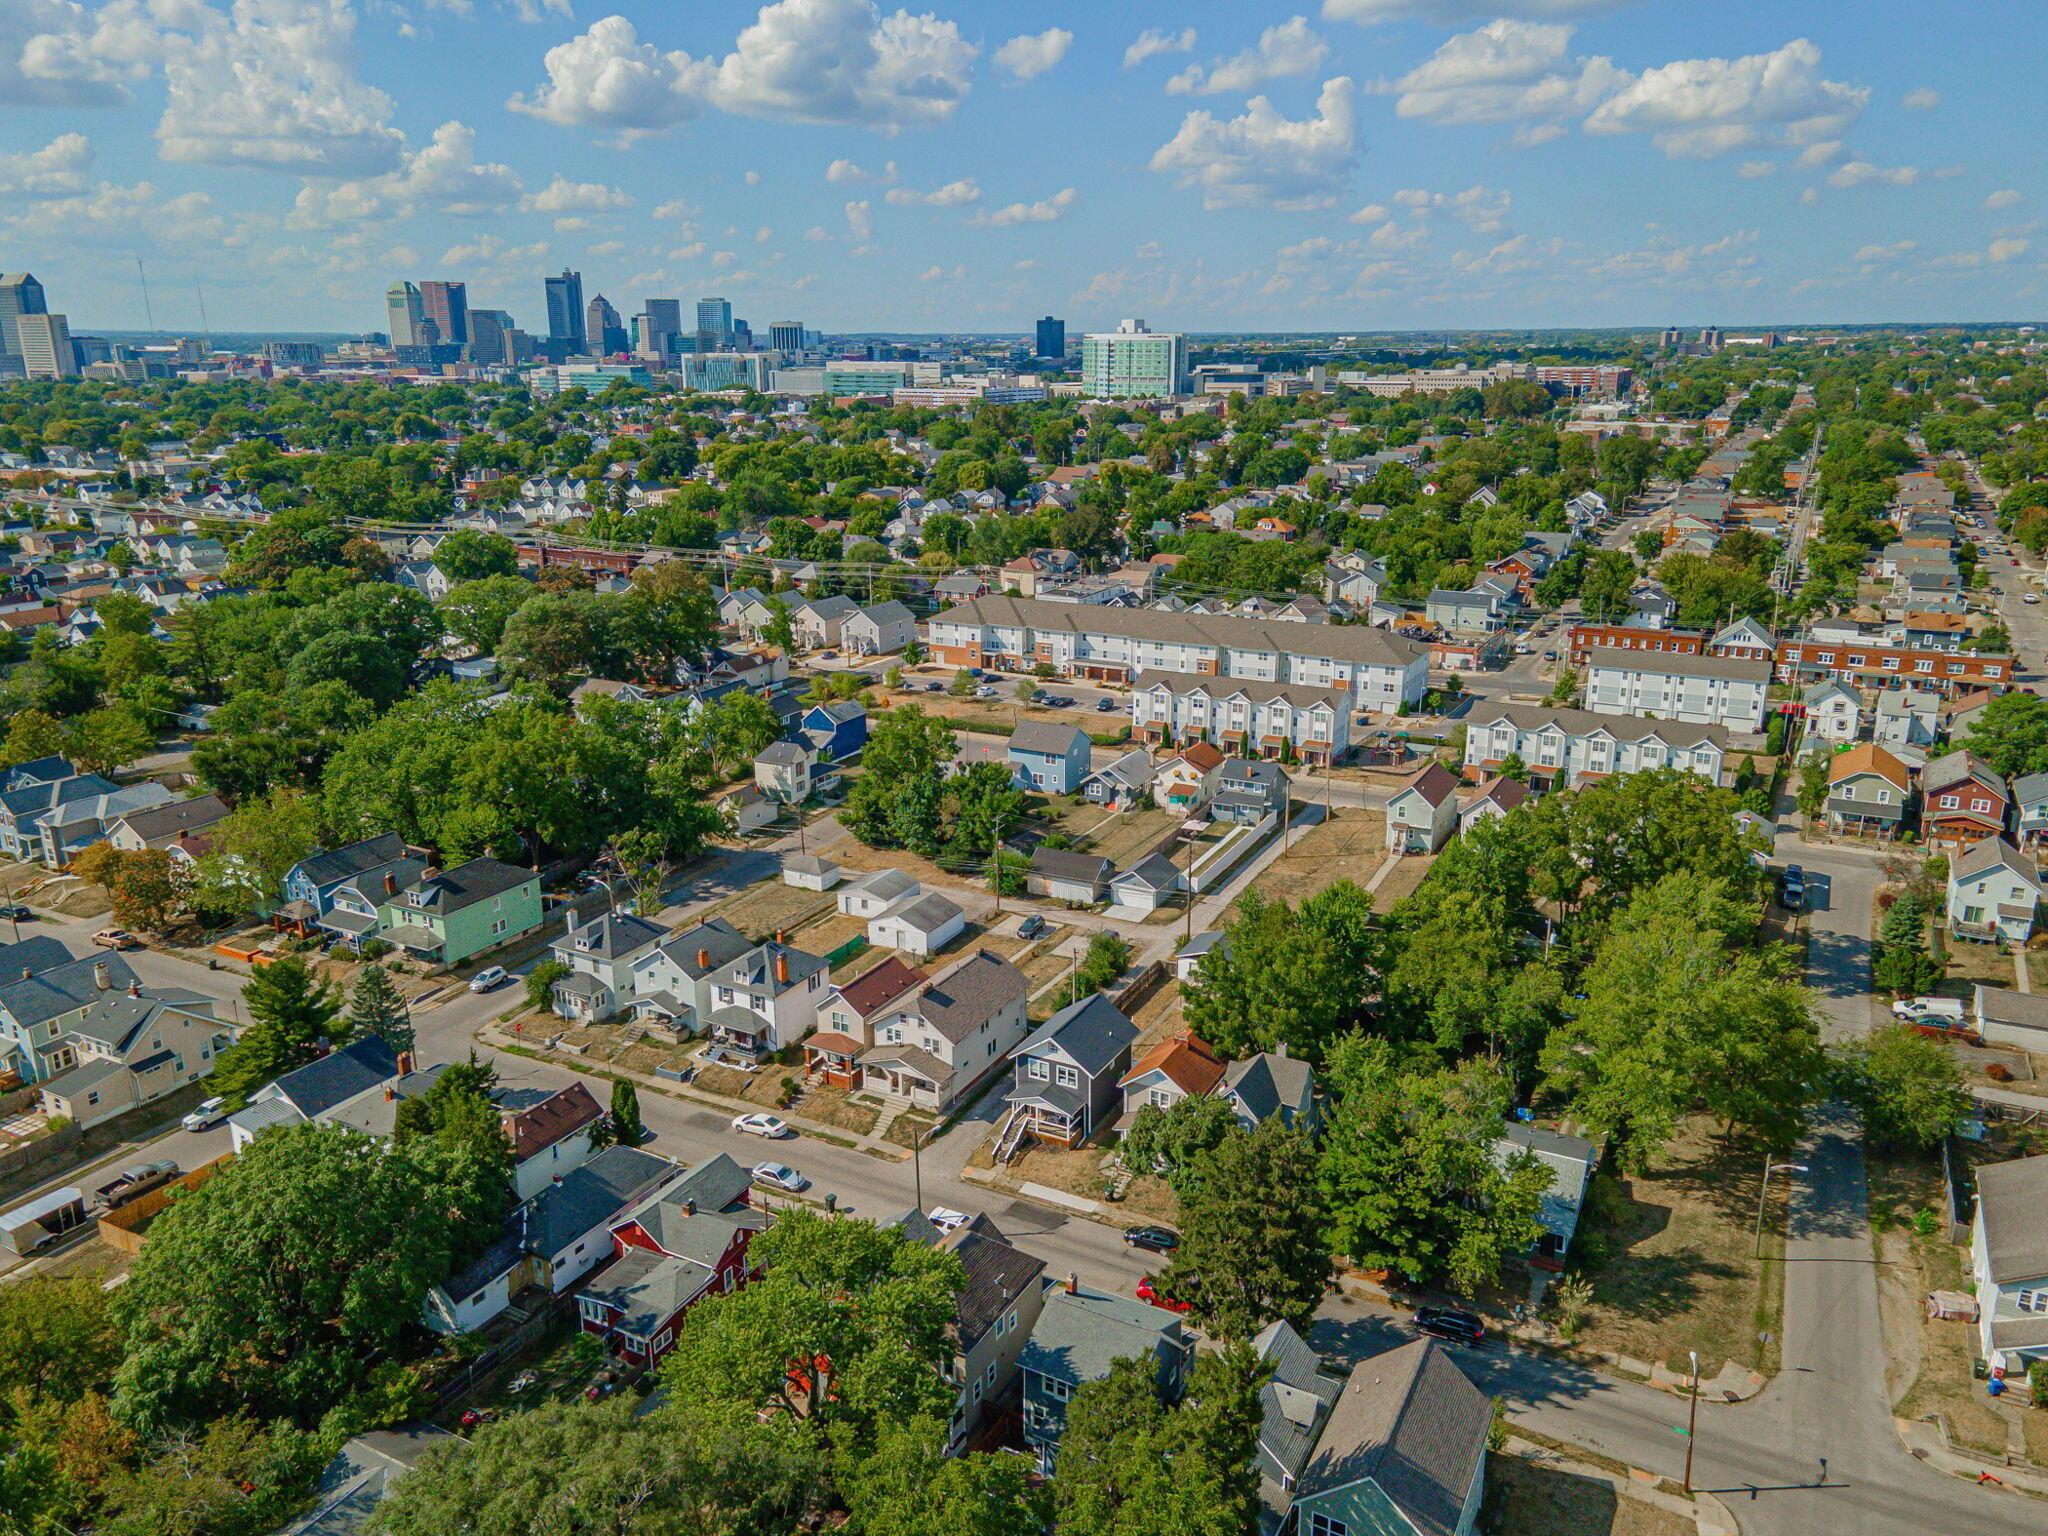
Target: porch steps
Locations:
point(1012, 1135)
point(891, 1108)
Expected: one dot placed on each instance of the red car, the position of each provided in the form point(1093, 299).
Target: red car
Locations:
point(1147, 1291)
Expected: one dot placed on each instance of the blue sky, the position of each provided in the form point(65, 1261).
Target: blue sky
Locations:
point(1343, 164)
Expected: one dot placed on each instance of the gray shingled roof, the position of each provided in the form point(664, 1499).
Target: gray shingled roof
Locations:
point(339, 1076)
point(2010, 1199)
point(997, 1274)
point(1356, 643)
point(1293, 1405)
point(62, 988)
point(1080, 1334)
point(722, 942)
point(1267, 1083)
point(958, 1002)
point(1094, 1031)
point(1410, 1422)
point(1065, 865)
point(1046, 737)
point(454, 890)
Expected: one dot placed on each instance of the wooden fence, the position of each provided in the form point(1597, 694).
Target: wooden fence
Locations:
point(126, 1228)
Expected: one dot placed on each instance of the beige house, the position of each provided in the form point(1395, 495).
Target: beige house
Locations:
point(131, 1049)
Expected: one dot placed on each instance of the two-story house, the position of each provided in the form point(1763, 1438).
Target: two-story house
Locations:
point(1187, 781)
point(1182, 1066)
point(24, 808)
point(164, 825)
point(835, 729)
point(321, 1090)
point(1963, 801)
point(996, 1311)
point(1067, 1075)
point(1570, 1161)
point(766, 999)
point(2030, 809)
point(1423, 813)
point(42, 991)
point(309, 885)
point(1271, 1084)
point(879, 629)
point(1993, 891)
point(550, 1135)
point(1242, 715)
point(2009, 1263)
point(600, 955)
point(1294, 1405)
point(851, 1015)
point(69, 829)
point(784, 772)
point(1248, 790)
point(1868, 791)
point(1906, 716)
point(1081, 1332)
point(1835, 712)
point(1052, 759)
point(448, 915)
point(950, 1037)
point(132, 1048)
point(355, 907)
point(1562, 747)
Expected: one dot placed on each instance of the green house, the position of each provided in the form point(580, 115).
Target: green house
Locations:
point(448, 915)
point(1403, 1452)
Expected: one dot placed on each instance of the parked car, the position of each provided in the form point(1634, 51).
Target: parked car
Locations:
point(206, 1116)
point(1147, 1291)
point(1792, 888)
point(781, 1176)
point(770, 1126)
point(1449, 1323)
point(1947, 1029)
point(2031, 597)
point(490, 976)
point(946, 1219)
point(934, 687)
point(116, 938)
point(1152, 1239)
point(1031, 927)
point(134, 1183)
point(1915, 1009)
point(18, 912)
point(1105, 706)
point(985, 691)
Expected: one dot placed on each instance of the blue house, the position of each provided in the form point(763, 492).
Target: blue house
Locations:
point(1048, 757)
point(310, 885)
point(839, 728)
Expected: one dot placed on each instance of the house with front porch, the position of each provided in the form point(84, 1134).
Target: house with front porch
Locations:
point(1067, 1075)
point(1182, 1066)
point(1423, 813)
point(783, 772)
point(1081, 1332)
point(1561, 748)
point(852, 1015)
point(600, 955)
point(767, 999)
point(310, 885)
point(948, 1038)
point(1125, 783)
point(1869, 790)
point(1270, 1084)
point(132, 1048)
point(24, 807)
point(1834, 712)
point(42, 990)
point(1964, 800)
point(1993, 890)
point(446, 916)
point(2030, 809)
point(2009, 1263)
point(673, 982)
point(1187, 781)
point(1052, 759)
point(1249, 790)
point(1241, 716)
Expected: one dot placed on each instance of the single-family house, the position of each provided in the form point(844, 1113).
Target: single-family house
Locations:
point(879, 629)
point(2005, 1017)
point(746, 809)
point(1081, 1332)
point(446, 916)
point(2009, 1263)
point(783, 772)
point(1067, 1074)
point(68, 829)
point(996, 1311)
point(1125, 783)
point(42, 989)
point(1423, 813)
point(2030, 809)
point(600, 955)
point(550, 1136)
point(672, 983)
point(1268, 1084)
point(1182, 1066)
point(1052, 759)
point(1869, 790)
point(836, 729)
point(1906, 716)
point(362, 1472)
point(851, 1015)
point(1497, 796)
point(1294, 1405)
point(1060, 874)
point(1248, 790)
point(1403, 1450)
point(318, 1091)
point(314, 879)
point(1186, 782)
point(130, 1049)
point(945, 1040)
point(1834, 712)
point(161, 826)
point(766, 999)
point(1963, 801)
point(876, 893)
point(918, 925)
point(817, 621)
point(1993, 890)
point(1570, 1160)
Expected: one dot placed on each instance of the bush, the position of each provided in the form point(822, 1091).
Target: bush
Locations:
point(540, 982)
point(377, 949)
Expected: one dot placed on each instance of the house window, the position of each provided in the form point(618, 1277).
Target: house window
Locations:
point(976, 1394)
point(2031, 1301)
point(92, 1098)
point(990, 1378)
point(1161, 1097)
point(1069, 1077)
point(1055, 1388)
point(1320, 1524)
point(663, 1339)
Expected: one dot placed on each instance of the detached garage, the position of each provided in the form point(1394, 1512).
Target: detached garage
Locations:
point(919, 926)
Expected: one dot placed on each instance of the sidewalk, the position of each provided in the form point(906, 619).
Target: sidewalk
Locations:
point(1929, 1443)
point(1709, 1514)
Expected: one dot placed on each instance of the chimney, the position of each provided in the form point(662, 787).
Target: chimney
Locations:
point(390, 883)
point(1073, 1283)
point(782, 970)
point(690, 1207)
point(135, 989)
point(703, 959)
point(390, 1094)
point(780, 936)
point(404, 1063)
point(26, 973)
point(101, 976)
point(1280, 1049)
point(429, 875)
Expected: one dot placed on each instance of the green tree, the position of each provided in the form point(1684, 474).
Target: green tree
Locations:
point(897, 800)
point(2011, 733)
point(255, 847)
point(1813, 782)
point(626, 1124)
point(1252, 1241)
point(32, 733)
point(908, 1486)
point(1909, 1087)
point(1171, 1141)
point(468, 554)
point(377, 1007)
point(274, 1286)
point(476, 612)
point(1285, 976)
point(145, 890)
point(290, 1014)
point(540, 983)
point(100, 742)
point(57, 1337)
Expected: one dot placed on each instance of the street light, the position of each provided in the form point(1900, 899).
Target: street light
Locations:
point(1692, 1422)
point(1757, 1248)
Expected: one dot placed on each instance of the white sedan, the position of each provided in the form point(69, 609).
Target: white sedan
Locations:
point(781, 1176)
point(769, 1126)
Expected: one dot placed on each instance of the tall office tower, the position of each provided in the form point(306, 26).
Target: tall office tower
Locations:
point(407, 312)
point(663, 324)
point(786, 336)
point(1052, 338)
point(1673, 337)
point(447, 305)
point(606, 330)
point(565, 314)
point(1134, 361)
point(715, 316)
point(488, 330)
point(741, 336)
point(20, 294)
point(46, 351)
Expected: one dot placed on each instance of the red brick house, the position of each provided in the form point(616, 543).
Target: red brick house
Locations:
point(1963, 801)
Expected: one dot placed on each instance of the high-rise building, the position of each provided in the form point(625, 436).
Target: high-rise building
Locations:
point(1134, 362)
point(715, 317)
point(565, 314)
point(606, 331)
point(1052, 338)
point(659, 324)
point(20, 294)
point(742, 336)
point(489, 330)
point(786, 336)
point(294, 354)
point(407, 314)
point(46, 351)
point(447, 305)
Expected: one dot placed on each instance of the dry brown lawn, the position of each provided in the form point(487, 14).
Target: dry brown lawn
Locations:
point(828, 930)
point(768, 907)
point(1406, 876)
point(1669, 1254)
point(858, 859)
point(763, 1087)
point(1129, 835)
point(1524, 1498)
point(908, 1126)
point(1159, 1017)
point(1349, 845)
point(836, 1107)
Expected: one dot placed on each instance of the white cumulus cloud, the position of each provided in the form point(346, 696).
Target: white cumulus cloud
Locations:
point(54, 170)
point(1861, 173)
point(1152, 42)
point(847, 170)
point(954, 194)
point(1030, 55)
point(563, 196)
point(2005, 197)
point(1262, 157)
point(1707, 107)
point(1504, 71)
point(1044, 211)
point(1291, 48)
point(1921, 99)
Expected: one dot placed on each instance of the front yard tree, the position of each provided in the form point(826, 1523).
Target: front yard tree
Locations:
point(1285, 976)
point(540, 983)
point(145, 889)
point(1252, 1241)
point(2011, 733)
point(1909, 1087)
point(897, 802)
point(908, 1486)
point(626, 1124)
point(377, 1007)
point(1171, 1141)
point(1409, 1171)
point(272, 1288)
point(57, 1338)
point(290, 1014)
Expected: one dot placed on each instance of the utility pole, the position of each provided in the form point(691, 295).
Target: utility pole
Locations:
point(995, 867)
point(1692, 1421)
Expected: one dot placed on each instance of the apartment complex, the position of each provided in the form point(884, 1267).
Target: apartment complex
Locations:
point(1370, 667)
point(1876, 663)
point(1728, 691)
point(1562, 747)
point(1251, 718)
point(1134, 362)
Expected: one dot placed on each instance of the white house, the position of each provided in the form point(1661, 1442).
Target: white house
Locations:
point(1562, 746)
point(783, 773)
point(1571, 1160)
point(1834, 713)
point(880, 629)
point(1253, 719)
point(938, 1046)
point(1728, 691)
point(918, 925)
point(600, 955)
point(672, 983)
point(2009, 1262)
point(1906, 717)
point(1496, 797)
point(746, 809)
point(1993, 890)
point(1423, 813)
point(767, 999)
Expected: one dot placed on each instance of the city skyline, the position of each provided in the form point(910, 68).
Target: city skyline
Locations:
point(1353, 165)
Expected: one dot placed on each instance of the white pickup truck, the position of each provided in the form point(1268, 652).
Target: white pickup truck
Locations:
point(1916, 1010)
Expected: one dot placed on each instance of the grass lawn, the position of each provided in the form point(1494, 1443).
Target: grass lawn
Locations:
point(2037, 969)
point(1669, 1254)
point(1158, 1017)
point(1406, 876)
point(1524, 1498)
point(857, 859)
point(908, 1126)
point(1350, 845)
point(828, 930)
point(763, 1087)
point(836, 1107)
point(768, 907)
point(1128, 836)
point(1972, 963)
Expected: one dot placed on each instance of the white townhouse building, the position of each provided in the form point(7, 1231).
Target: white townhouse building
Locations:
point(1728, 691)
point(1374, 669)
point(1563, 746)
point(1243, 718)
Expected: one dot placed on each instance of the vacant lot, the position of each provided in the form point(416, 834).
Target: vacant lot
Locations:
point(769, 907)
point(1127, 836)
point(1405, 877)
point(1669, 1254)
point(1525, 1498)
point(1350, 845)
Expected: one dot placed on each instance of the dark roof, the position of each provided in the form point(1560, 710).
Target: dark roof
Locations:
point(611, 936)
point(754, 971)
point(1083, 1332)
point(1093, 1031)
point(40, 953)
point(997, 1274)
point(30, 798)
point(1411, 1422)
point(592, 1195)
point(37, 770)
point(882, 985)
point(722, 943)
point(961, 1000)
point(63, 987)
point(361, 1473)
point(158, 821)
point(1293, 1405)
point(1066, 865)
point(539, 1126)
point(2010, 1199)
point(647, 1289)
point(1534, 1138)
point(116, 1018)
point(353, 859)
point(1047, 737)
point(714, 1184)
point(454, 890)
point(1267, 1083)
point(339, 1076)
point(1155, 870)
